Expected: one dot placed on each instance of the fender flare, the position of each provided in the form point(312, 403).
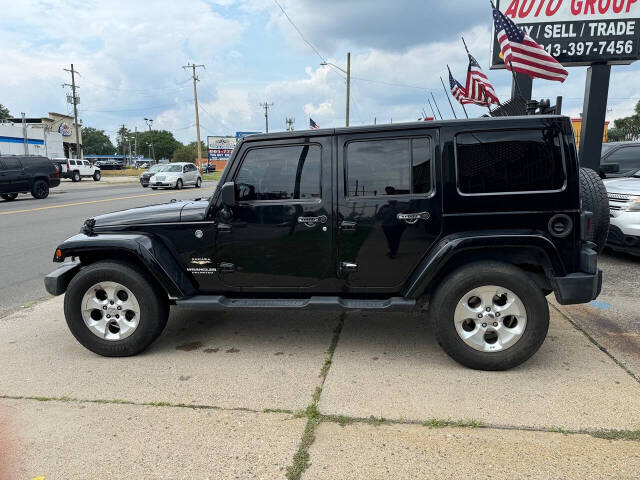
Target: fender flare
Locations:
point(439, 256)
point(152, 253)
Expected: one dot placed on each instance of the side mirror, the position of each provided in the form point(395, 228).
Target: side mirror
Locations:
point(228, 194)
point(610, 167)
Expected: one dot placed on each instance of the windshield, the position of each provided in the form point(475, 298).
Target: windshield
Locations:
point(606, 147)
point(154, 168)
point(169, 168)
point(636, 174)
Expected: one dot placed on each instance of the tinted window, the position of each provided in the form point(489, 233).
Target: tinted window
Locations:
point(388, 167)
point(86, 163)
point(72, 162)
point(522, 161)
point(280, 173)
point(627, 157)
point(11, 163)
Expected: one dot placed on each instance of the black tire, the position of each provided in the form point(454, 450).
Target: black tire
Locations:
point(593, 195)
point(40, 189)
point(198, 182)
point(458, 283)
point(179, 184)
point(97, 176)
point(75, 176)
point(9, 197)
point(153, 302)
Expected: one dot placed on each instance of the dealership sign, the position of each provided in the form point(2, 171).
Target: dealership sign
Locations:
point(577, 32)
point(220, 148)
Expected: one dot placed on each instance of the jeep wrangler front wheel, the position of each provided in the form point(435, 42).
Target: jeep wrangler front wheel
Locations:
point(489, 316)
point(115, 310)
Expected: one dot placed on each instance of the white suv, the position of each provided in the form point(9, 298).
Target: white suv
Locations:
point(176, 175)
point(624, 207)
point(77, 169)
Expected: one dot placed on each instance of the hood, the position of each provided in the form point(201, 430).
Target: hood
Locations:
point(626, 185)
point(163, 213)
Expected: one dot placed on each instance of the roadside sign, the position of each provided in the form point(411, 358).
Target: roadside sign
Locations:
point(220, 148)
point(240, 135)
point(577, 32)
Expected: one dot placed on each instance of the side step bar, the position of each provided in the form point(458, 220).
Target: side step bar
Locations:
point(220, 302)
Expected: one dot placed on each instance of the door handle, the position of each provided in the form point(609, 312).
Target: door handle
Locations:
point(312, 221)
point(225, 267)
point(412, 218)
point(346, 226)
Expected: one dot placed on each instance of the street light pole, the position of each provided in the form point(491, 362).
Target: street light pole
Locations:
point(153, 149)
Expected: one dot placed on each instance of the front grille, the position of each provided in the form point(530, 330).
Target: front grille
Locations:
point(620, 201)
point(619, 197)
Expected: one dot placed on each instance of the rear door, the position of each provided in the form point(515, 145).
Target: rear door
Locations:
point(13, 177)
point(388, 207)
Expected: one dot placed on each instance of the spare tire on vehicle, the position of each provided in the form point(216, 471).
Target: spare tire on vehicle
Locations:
point(593, 196)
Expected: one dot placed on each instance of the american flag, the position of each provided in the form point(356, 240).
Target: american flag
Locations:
point(479, 89)
point(458, 91)
point(313, 125)
point(523, 55)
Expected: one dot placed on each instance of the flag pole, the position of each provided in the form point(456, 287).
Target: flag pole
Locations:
point(465, 46)
point(463, 108)
point(447, 94)
point(432, 110)
point(436, 104)
point(484, 92)
point(515, 79)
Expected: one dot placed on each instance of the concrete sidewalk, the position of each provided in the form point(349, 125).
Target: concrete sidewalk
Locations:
point(307, 395)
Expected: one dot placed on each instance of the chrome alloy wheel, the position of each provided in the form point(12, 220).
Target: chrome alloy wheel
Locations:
point(110, 311)
point(490, 318)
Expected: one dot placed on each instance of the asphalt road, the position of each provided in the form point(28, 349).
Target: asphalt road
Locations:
point(30, 229)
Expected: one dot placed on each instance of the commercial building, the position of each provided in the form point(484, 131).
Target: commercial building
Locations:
point(58, 123)
point(29, 140)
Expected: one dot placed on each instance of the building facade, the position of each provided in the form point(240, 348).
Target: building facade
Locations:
point(58, 123)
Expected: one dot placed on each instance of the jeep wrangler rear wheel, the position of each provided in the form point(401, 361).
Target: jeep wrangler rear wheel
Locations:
point(115, 310)
point(489, 316)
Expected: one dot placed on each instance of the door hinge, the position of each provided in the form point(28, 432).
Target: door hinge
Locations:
point(225, 267)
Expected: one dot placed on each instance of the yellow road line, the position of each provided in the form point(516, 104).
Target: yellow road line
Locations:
point(84, 203)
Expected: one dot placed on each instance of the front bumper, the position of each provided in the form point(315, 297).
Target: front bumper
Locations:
point(57, 281)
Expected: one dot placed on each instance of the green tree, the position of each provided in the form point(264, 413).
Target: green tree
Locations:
point(4, 113)
point(96, 142)
point(187, 153)
point(164, 143)
point(627, 128)
point(122, 139)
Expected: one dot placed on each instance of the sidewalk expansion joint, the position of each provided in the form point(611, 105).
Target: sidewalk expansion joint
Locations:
point(603, 349)
point(301, 458)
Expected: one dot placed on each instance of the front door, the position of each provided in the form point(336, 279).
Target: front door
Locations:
point(388, 208)
point(279, 235)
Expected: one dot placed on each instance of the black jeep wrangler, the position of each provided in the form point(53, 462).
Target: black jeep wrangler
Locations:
point(473, 222)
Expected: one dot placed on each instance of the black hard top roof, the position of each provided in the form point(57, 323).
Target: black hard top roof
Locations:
point(390, 127)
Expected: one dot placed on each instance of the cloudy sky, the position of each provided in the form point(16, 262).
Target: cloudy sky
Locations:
point(130, 53)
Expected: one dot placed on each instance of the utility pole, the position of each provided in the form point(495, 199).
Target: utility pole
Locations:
point(266, 107)
point(75, 102)
point(290, 121)
point(348, 84)
point(25, 135)
point(135, 143)
point(153, 149)
point(195, 100)
point(122, 142)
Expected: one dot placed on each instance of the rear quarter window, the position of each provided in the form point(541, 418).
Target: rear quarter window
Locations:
point(515, 161)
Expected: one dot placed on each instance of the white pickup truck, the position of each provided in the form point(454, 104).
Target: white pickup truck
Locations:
point(77, 169)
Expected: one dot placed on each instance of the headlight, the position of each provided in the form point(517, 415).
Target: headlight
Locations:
point(635, 206)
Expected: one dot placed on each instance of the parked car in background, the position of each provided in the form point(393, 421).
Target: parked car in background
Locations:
point(624, 205)
point(145, 176)
point(77, 169)
point(19, 174)
point(619, 159)
point(208, 168)
point(111, 164)
point(176, 175)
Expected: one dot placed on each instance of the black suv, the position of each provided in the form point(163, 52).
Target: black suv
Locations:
point(22, 174)
point(474, 220)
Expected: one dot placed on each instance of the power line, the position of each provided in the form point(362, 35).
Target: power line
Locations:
point(299, 31)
